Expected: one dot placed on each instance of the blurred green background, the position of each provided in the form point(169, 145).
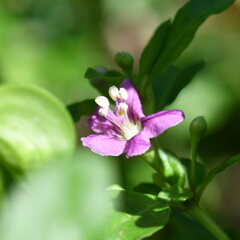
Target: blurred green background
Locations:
point(51, 44)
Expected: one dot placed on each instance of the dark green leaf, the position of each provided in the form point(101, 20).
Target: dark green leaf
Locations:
point(182, 227)
point(167, 86)
point(35, 127)
point(125, 61)
point(214, 172)
point(97, 72)
point(181, 32)
point(170, 40)
point(153, 49)
point(175, 194)
point(84, 108)
point(135, 215)
point(201, 170)
point(147, 188)
point(102, 79)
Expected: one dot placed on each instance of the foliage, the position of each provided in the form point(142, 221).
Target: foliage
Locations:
point(68, 199)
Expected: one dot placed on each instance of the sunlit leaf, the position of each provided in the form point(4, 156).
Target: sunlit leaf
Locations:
point(135, 215)
point(64, 200)
point(175, 194)
point(173, 171)
point(35, 127)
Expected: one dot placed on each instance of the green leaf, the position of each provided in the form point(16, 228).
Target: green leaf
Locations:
point(175, 194)
point(64, 199)
point(84, 108)
point(201, 170)
point(153, 49)
point(181, 32)
point(171, 39)
point(135, 215)
point(35, 127)
point(102, 79)
point(166, 87)
point(147, 188)
point(214, 172)
point(173, 172)
point(182, 227)
point(125, 61)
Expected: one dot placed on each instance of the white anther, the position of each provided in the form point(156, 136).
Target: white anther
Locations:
point(103, 112)
point(123, 94)
point(113, 93)
point(102, 102)
point(122, 108)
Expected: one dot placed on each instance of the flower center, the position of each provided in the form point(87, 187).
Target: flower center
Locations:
point(128, 128)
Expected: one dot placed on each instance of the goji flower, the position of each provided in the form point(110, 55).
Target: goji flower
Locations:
point(126, 129)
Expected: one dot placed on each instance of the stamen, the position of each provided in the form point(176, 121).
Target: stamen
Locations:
point(122, 108)
point(113, 93)
point(127, 128)
point(102, 102)
point(123, 94)
point(103, 112)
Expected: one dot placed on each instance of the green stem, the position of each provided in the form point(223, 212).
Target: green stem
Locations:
point(193, 165)
point(152, 158)
point(214, 172)
point(202, 217)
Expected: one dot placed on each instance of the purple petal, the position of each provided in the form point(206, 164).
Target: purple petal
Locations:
point(135, 111)
point(157, 123)
point(104, 145)
point(100, 124)
point(137, 145)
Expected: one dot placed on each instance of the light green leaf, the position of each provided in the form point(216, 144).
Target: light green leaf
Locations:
point(63, 200)
point(173, 172)
point(175, 194)
point(214, 172)
point(135, 215)
point(84, 108)
point(34, 127)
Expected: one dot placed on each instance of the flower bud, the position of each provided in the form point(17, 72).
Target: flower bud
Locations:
point(102, 102)
point(125, 61)
point(198, 127)
point(113, 93)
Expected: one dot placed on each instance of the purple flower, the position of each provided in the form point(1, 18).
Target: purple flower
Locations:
point(126, 129)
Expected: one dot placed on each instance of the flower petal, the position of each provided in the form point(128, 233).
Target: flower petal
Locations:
point(104, 145)
point(157, 123)
point(137, 145)
point(135, 111)
point(100, 124)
